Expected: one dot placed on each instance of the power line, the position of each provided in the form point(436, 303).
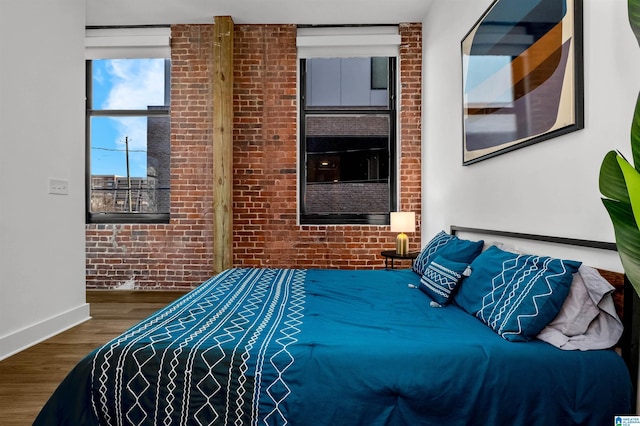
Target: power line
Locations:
point(117, 150)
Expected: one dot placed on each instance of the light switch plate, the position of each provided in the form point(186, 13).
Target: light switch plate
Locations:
point(58, 186)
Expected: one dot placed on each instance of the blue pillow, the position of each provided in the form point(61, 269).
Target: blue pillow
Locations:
point(441, 278)
point(516, 295)
point(449, 247)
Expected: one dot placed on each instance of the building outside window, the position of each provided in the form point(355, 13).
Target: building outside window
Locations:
point(347, 131)
point(128, 137)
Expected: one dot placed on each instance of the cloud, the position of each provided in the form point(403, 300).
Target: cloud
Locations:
point(135, 84)
point(133, 128)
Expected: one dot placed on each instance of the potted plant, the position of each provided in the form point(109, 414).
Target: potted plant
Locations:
point(620, 185)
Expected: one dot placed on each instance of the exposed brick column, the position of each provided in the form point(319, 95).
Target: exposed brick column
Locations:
point(411, 120)
point(265, 145)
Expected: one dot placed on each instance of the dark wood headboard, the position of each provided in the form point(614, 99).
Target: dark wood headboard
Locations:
point(626, 299)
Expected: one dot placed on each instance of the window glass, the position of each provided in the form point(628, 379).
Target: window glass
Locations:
point(129, 140)
point(379, 73)
point(128, 83)
point(345, 82)
point(348, 140)
point(347, 164)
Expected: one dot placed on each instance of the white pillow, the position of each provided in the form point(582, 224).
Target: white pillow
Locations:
point(588, 318)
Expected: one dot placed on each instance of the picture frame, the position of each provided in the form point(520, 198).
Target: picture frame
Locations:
point(522, 76)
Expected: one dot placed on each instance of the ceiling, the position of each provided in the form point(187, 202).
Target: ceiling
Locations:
point(302, 12)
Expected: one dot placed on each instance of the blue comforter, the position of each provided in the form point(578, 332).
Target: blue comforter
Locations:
point(329, 347)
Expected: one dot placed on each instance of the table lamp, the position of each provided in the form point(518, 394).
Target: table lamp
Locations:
point(403, 222)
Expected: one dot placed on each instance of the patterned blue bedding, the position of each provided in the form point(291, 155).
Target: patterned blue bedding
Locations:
point(329, 347)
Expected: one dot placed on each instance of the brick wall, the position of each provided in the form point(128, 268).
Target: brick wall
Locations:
point(266, 234)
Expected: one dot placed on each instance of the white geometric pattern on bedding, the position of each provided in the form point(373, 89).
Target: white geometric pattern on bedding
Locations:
point(440, 280)
point(428, 252)
point(251, 309)
point(526, 295)
point(497, 313)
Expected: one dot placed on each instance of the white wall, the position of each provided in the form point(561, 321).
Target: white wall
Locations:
point(548, 188)
point(42, 289)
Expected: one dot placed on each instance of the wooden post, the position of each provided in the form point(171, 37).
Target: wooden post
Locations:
point(222, 99)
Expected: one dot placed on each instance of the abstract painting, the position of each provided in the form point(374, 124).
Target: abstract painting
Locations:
point(522, 76)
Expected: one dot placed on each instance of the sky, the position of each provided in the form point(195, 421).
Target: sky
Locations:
point(123, 84)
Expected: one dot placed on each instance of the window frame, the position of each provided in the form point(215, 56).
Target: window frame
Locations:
point(391, 111)
point(117, 217)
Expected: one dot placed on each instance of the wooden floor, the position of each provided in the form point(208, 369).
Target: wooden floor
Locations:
point(28, 378)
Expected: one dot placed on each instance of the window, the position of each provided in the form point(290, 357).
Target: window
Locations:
point(347, 153)
point(348, 140)
point(128, 132)
point(128, 124)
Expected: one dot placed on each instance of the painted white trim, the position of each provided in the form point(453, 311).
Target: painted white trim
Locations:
point(20, 340)
point(343, 42)
point(127, 43)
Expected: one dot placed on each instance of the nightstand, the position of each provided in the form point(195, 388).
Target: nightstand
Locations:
point(391, 254)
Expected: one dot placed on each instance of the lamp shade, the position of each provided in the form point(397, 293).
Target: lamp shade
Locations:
point(403, 222)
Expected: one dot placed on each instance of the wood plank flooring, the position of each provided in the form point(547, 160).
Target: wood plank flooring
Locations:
point(28, 378)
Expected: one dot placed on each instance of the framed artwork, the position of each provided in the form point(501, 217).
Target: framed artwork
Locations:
point(522, 70)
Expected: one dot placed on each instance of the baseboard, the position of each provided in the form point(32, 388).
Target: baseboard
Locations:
point(22, 339)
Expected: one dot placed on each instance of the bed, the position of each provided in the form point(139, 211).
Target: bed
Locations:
point(343, 347)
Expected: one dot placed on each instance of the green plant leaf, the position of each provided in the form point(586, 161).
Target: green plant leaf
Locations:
point(635, 135)
point(619, 183)
point(632, 179)
point(612, 182)
point(627, 239)
point(633, 9)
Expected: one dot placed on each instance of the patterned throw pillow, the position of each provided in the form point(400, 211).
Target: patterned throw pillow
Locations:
point(441, 278)
point(516, 295)
point(449, 247)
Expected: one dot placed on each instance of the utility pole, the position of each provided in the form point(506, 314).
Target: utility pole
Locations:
point(126, 145)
